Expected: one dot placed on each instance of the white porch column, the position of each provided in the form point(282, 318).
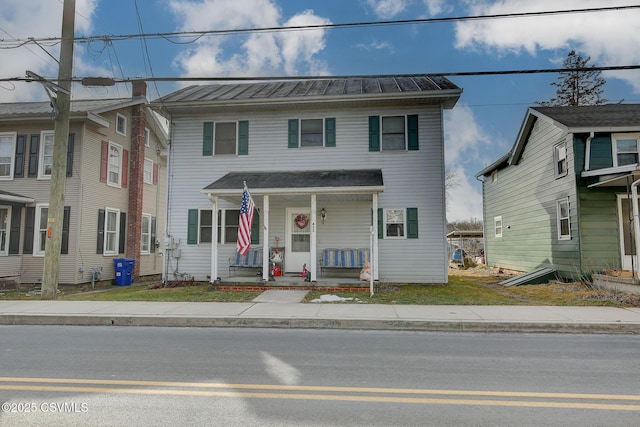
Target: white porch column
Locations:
point(266, 270)
point(314, 250)
point(214, 240)
point(374, 252)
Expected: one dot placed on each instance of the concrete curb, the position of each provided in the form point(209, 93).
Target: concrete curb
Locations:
point(309, 323)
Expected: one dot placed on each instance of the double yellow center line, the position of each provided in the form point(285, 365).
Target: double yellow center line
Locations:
point(616, 402)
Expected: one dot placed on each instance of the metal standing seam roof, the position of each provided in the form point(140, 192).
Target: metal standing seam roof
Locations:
point(233, 182)
point(25, 109)
point(309, 88)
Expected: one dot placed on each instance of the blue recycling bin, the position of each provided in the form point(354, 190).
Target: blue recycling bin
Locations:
point(124, 270)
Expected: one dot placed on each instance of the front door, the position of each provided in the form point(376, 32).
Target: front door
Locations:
point(625, 213)
point(298, 239)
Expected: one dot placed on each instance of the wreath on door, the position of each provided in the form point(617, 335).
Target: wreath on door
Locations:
point(301, 221)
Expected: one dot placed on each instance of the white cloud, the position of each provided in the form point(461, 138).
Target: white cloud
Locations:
point(465, 146)
point(604, 36)
point(376, 46)
point(388, 8)
point(291, 52)
point(21, 19)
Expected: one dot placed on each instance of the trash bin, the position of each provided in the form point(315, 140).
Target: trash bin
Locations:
point(124, 270)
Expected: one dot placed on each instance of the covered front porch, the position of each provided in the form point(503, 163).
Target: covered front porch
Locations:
point(300, 214)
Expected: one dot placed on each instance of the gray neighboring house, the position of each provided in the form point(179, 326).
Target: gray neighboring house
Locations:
point(561, 197)
point(114, 196)
point(355, 162)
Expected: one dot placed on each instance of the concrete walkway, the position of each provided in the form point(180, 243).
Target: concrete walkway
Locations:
point(272, 312)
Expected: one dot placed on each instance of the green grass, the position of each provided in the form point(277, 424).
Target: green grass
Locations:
point(197, 293)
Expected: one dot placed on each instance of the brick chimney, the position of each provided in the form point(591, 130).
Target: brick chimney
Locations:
point(136, 175)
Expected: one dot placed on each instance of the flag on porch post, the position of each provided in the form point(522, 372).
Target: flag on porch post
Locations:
point(246, 220)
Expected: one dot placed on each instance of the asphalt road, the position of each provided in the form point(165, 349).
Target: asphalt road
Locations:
point(57, 375)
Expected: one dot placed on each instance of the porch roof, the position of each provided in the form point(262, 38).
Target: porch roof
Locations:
point(362, 181)
point(12, 198)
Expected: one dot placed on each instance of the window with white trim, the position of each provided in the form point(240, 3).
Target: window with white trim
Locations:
point(45, 161)
point(497, 226)
point(225, 137)
point(148, 171)
point(111, 231)
point(121, 124)
point(147, 137)
point(145, 235)
point(5, 226)
point(228, 220)
point(311, 132)
point(394, 136)
point(560, 159)
point(564, 220)
point(115, 164)
point(625, 148)
point(7, 154)
point(40, 232)
point(394, 224)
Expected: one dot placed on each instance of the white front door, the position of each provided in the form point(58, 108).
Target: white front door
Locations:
point(625, 212)
point(298, 245)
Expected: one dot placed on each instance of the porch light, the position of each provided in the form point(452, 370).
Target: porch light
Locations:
point(323, 214)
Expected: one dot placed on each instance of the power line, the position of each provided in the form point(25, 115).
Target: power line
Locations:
point(199, 34)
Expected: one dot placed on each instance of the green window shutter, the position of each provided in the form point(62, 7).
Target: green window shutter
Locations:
point(66, 220)
point(380, 224)
point(293, 133)
point(412, 223)
point(192, 227)
point(412, 134)
point(330, 132)
point(255, 229)
point(100, 238)
point(374, 133)
point(243, 138)
point(207, 139)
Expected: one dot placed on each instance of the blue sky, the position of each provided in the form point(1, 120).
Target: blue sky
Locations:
point(480, 129)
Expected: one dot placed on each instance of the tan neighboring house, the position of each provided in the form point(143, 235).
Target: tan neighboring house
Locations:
point(114, 196)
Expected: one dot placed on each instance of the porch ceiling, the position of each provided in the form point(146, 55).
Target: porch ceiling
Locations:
point(334, 182)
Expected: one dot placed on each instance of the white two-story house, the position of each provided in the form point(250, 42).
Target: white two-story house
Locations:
point(353, 162)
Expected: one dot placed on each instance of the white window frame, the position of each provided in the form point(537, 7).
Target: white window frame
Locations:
point(382, 133)
point(148, 171)
point(200, 224)
point(5, 229)
point(121, 119)
point(145, 235)
point(147, 137)
point(498, 226)
point(614, 146)
point(561, 218)
point(386, 213)
point(215, 138)
point(38, 231)
point(115, 233)
point(115, 168)
point(222, 232)
point(558, 157)
point(44, 137)
point(12, 155)
point(322, 131)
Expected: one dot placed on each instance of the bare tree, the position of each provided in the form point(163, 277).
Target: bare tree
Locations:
point(578, 86)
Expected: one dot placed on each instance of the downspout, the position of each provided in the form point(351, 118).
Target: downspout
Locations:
point(587, 152)
point(636, 216)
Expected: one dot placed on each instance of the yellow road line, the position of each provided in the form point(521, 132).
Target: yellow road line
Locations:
point(279, 387)
point(328, 397)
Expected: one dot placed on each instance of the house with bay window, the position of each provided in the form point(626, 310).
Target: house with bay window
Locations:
point(331, 163)
point(562, 197)
point(114, 194)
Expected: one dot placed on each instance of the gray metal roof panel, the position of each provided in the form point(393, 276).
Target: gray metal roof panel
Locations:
point(15, 109)
point(610, 115)
point(300, 179)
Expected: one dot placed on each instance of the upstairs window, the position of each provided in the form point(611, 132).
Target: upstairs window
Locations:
point(148, 171)
point(311, 133)
point(560, 159)
point(393, 133)
point(115, 164)
point(121, 124)
point(225, 138)
point(147, 137)
point(46, 155)
point(625, 149)
point(7, 153)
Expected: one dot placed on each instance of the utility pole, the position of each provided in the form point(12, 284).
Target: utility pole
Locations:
point(59, 165)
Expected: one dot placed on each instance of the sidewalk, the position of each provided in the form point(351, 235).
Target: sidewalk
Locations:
point(277, 311)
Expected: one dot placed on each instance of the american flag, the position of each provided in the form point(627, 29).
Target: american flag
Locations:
point(246, 220)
